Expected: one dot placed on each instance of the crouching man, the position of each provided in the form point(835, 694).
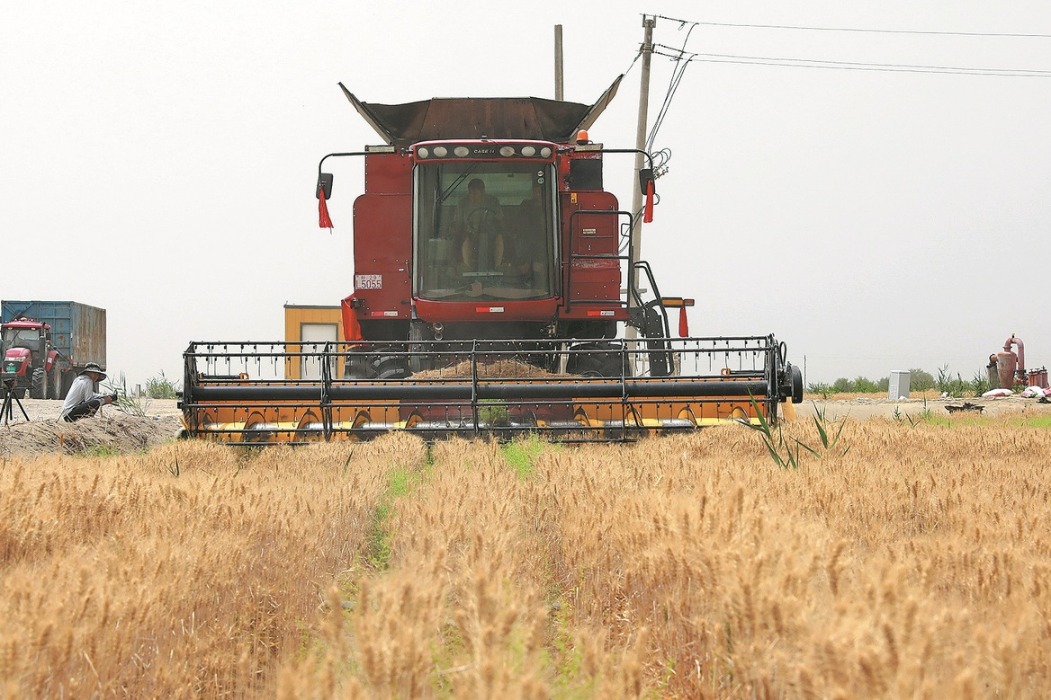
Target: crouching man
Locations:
point(82, 400)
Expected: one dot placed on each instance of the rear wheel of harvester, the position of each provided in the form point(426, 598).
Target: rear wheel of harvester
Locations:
point(38, 390)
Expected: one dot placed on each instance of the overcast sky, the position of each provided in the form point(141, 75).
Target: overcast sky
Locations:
point(159, 160)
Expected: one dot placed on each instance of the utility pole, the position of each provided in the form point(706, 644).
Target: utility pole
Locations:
point(558, 62)
point(648, 24)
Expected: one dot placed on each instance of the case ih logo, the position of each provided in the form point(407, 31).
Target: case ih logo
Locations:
point(368, 281)
point(483, 151)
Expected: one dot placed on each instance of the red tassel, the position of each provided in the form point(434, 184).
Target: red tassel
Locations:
point(322, 210)
point(647, 213)
point(351, 327)
point(684, 326)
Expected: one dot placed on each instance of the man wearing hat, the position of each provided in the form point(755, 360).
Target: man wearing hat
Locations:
point(82, 401)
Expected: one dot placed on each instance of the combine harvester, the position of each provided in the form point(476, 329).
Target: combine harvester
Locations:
point(489, 263)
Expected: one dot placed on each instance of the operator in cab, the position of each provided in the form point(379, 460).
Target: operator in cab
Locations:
point(481, 222)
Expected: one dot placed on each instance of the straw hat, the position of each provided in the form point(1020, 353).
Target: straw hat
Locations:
point(93, 367)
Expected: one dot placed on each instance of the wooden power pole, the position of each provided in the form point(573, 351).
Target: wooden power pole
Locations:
point(648, 24)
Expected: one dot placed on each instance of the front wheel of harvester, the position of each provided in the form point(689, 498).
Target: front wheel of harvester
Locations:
point(357, 366)
point(598, 359)
point(38, 390)
point(377, 362)
point(391, 367)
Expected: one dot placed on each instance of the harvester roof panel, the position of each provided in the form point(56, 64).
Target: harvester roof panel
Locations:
point(476, 117)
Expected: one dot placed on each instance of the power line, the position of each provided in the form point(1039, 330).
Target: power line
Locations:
point(1011, 35)
point(678, 70)
point(852, 65)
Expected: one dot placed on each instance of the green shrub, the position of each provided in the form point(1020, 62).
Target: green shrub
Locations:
point(920, 380)
point(863, 385)
point(161, 388)
point(825, 390)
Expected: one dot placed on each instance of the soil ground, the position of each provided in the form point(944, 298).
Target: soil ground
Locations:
point(115, 430)
point(110, 429)
point(865, 406)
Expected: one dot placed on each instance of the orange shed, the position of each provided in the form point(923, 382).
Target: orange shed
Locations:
point(312, 327)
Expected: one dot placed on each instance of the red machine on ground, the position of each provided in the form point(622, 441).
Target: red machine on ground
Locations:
point(29, 358)
point(489, 262)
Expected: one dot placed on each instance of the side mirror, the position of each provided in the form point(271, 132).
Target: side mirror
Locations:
point(648, 185)
point(324, 184)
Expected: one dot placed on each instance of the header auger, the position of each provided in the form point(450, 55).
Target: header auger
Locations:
point(492, 272)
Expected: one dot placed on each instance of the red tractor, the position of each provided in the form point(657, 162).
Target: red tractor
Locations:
point(29, 358)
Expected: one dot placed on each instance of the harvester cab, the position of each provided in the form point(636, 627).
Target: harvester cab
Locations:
point(493, 273)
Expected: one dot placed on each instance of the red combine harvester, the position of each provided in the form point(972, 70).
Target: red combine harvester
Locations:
point(489, 263)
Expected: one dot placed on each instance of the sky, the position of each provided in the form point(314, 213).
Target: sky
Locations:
point(159, 160)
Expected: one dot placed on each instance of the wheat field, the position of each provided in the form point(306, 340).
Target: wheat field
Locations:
point(907, 561)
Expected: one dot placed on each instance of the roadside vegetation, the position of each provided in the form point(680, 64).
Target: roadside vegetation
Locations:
point(921, 382)
point(136, 401)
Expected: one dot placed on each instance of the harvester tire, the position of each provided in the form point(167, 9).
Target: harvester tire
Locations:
point(375, 364)
point(420, 360)
point(38, 390)
point(605, 360)
point(357, 366)
point(390, 367)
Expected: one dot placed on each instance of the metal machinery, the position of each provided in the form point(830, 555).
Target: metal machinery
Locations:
point(488, 270)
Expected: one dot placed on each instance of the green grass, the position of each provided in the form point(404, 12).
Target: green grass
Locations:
point(1041, 422)
point(521, 454)
point(400, 482)
point(102, 451)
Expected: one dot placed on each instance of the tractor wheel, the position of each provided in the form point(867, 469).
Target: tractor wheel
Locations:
point(67, 383)
point(38, 390)
point(54, 384)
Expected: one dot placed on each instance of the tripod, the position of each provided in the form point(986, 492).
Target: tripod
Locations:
point(7, 409)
